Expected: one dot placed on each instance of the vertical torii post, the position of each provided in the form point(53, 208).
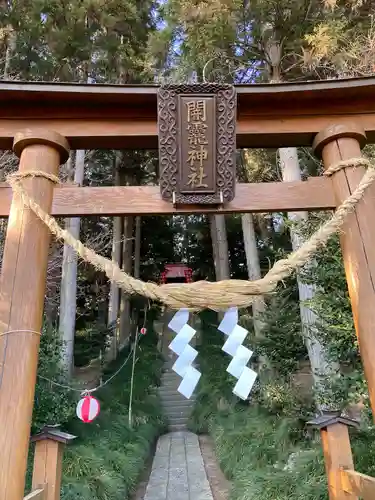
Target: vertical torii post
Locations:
point(48, 457)
point(334, 432)
point(334, 144)
point(22, 290)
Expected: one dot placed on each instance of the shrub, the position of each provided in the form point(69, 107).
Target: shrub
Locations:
point(107, 458)
point(53, 404)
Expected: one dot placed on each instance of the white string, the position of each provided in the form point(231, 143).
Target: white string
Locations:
point(67, 387)
point(89, 391)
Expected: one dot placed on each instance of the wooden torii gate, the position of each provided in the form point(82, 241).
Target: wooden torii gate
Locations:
point(42, 121)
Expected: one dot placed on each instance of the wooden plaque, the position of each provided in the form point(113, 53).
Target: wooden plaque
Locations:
point(197, 143)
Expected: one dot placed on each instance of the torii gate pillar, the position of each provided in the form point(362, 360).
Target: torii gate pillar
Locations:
point(22, 289)
point(334, 144)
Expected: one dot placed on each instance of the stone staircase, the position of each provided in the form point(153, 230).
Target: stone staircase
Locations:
point(176, 407)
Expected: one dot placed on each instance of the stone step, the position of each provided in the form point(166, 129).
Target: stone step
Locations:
point(171, 403)
point(168, 401)
point(177, 404)
point(171, 392)
point(183, 403)
point(177, 408)
point(168, 396)
point(178, 413)
point(178, 421)
point(175, 396)
point(176, 427)
point(169, 373)
point(170, 384)
point(186, 410)
point(170, 379)
point(171, 387)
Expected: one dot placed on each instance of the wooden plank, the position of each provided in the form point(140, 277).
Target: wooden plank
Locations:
point(40, 464)
point(314, 194)
point(337, 455)
point(48, 467)
point(113, 116)
point(256, 131)
point(96, 133)
point(38, 494)
point(358, 484)
point(150, 89)
point(54, 470)
point(346, 94)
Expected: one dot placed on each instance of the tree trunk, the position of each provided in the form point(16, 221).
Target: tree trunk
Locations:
point(137, 247)
point(68, 297)
point(125, 323)
point(321, 366)
point(220, 250)
point(220, 247)
point(215, 253)
point(253, 268)
point(10, 41)
point(114, 294)
point(137, 264)
point(53, 284)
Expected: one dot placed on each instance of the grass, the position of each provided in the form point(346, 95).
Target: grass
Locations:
point(266, 455)
point(264, 458)
point(108, 456)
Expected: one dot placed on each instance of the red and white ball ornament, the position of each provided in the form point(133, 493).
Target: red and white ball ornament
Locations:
point(88, 409)
point(143, 331)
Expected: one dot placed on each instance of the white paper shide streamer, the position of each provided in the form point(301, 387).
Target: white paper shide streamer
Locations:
point(186, 354)
point(241, 354)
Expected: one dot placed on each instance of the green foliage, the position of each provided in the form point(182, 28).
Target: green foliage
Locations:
point(204, 33)
point(264, 457)
point(105, 461)
point(282, 343)
point(53, 404)
point(232, 40)
point(335, 327)
point(90, 342)
point(77, 41)
point(214, 387)
point(264, 447)
point(242, 41)
point(280, 397)
point(331, 303)
point(107, 458)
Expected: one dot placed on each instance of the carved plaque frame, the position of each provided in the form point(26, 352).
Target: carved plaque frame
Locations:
point(169, 153)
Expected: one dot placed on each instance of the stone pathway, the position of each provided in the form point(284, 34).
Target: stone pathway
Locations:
point(178, 471)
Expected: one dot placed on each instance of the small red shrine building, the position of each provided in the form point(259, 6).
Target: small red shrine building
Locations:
point(176, 273)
